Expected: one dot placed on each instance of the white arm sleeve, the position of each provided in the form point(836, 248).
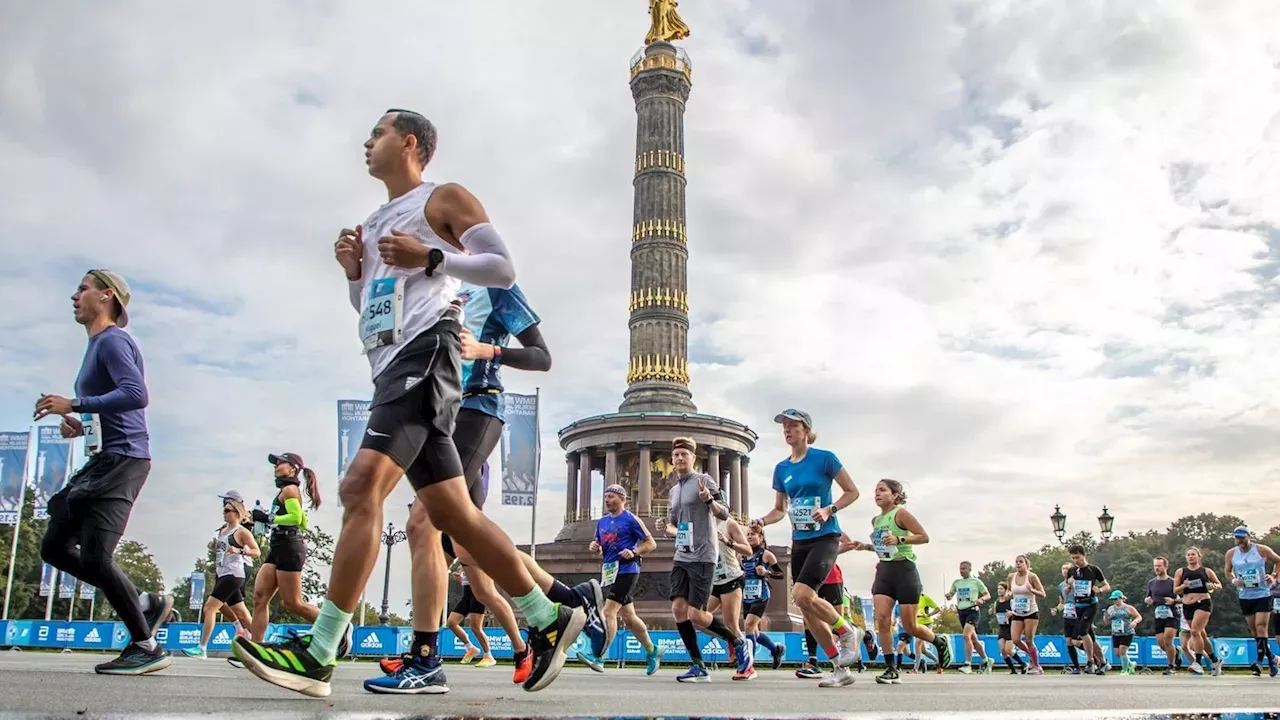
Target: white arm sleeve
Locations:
point(488, 265)
point(354, 290)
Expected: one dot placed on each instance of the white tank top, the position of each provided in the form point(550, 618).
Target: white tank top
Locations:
point(1022, 602)
point(229, 563)
point(729, 563)
point(425, 298)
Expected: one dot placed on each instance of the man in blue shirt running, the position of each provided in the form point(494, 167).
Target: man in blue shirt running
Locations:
point(88, 516)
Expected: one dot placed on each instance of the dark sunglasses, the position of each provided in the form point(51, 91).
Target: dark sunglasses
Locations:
point(228, 508)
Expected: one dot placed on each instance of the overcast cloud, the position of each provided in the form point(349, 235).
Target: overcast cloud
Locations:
point(1012, 253)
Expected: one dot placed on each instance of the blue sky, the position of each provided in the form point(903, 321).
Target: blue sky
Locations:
point(1015, 254)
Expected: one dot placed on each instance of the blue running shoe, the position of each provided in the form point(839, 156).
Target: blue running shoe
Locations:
point(413, 678)
point(695, 674)
point(653, 661)
point(745, 653)
point(590, 660)
point(133, 660)
point(593, 605)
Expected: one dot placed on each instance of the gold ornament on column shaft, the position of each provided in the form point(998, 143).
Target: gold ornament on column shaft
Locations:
point(665, 24)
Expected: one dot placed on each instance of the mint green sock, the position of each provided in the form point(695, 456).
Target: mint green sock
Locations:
point(538, 609)
point(327, 632)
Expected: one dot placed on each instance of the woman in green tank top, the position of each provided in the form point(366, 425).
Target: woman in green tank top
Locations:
point(894, 533)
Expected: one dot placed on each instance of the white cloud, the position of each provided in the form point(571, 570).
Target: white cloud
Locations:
point(1012, 253)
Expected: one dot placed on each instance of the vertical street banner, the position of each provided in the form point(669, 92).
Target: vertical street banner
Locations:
point(47, 573)
point(353, 415)
point(87, 591)
point(197, 591)
point(66, 586)
point(521, 449)
point(53, 466)
point(13, 475)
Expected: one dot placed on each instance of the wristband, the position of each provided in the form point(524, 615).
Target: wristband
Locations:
point(497, 353)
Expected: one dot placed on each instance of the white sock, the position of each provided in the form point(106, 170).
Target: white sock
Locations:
point(236, 625)
point(144, 601)
point(149, 644)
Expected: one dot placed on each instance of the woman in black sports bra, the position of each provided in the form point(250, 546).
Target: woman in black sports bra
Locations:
point(1194, 583)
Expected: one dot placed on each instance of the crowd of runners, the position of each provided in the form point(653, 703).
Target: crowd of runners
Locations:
point(434, 287)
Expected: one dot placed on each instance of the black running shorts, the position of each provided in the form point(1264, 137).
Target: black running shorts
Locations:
point(1162, 624)
point(1189, 611)
point(897, 579)
point(476, 434)
point(811, 560)
point(621, 589)
point(756, 608)
point(102, 491)
point(1006, 632)
point(1255, 606)
point(1084, 621)
point(968, 616)
point(832, 593)
point(288, 552)
point(415, 406)
point(692, 581)
point(229, 589)
point(728, 587)
point(1121, 640)
point(468, 604)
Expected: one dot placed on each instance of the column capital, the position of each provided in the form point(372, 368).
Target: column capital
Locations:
point(746, 459)
point(644, 443)
point(609, 446)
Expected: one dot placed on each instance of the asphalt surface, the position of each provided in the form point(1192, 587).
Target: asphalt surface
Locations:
point(64, 685)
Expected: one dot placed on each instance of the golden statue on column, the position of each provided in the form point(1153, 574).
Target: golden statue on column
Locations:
point(665, 24)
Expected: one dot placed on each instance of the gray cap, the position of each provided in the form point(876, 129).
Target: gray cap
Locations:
point(116, 283)
point(231, 495)
point(793, 414)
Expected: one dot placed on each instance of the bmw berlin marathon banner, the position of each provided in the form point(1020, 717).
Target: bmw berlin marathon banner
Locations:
point(53, 467)
point(521, 451)
point(13, 475)
point(353, 415)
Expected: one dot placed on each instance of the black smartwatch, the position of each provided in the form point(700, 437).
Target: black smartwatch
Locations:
point(435, 256)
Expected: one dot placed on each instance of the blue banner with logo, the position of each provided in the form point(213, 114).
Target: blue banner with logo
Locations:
point(13, 474)
point(197, 591)
point(53, 467)
point(87, 591)
point(521, 450)
point(353, 416)
point(66, 586)
point(48, 575)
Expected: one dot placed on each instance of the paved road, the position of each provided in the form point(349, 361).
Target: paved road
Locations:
point(64, 684)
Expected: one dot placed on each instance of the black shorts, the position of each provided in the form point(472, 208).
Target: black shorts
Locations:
point(692, 581)
point(1006, 632)
point(755, 607)
point(475, 435)
point(468, 604)
point(102, 492)
point(620, 590)
point(1189, 611)
point(897, 579)
point(812, 560)
point(1255, 606)
point(1118, 640)
point(1161, 624)
point(1084, 621)
point(287, 552)
point(968, 616)
point(832, 593)
point(726, 588)
point(229, 589)
point(1023, 618)
point(415, 406)
point(1275, 624)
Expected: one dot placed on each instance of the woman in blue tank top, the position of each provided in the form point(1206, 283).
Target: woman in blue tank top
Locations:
point(757, 570)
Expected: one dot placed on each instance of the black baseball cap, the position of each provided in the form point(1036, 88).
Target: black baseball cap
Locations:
point(293, 459)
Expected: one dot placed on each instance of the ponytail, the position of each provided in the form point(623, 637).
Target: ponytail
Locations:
point(313, 487)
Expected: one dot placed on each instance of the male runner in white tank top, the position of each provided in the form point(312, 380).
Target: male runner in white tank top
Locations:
point(403, 268)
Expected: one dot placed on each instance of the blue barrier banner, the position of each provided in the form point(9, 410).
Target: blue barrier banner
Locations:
point(80, 634)
point(376, 641)
point(224, 633)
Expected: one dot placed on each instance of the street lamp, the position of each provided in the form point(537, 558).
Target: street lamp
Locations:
point(1105, 523)
point(1059, 521)
point(390, 537)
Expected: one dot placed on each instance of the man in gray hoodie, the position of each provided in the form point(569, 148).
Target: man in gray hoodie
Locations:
point(696, 504)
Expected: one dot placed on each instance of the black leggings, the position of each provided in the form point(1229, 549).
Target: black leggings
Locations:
point(94, 562)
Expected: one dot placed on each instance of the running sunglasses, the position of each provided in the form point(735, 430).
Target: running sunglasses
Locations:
point(228, 508)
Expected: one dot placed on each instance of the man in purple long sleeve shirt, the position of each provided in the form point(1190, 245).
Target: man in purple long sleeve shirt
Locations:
point(89, 515)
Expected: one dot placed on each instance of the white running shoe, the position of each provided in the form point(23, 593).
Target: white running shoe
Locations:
point(839, 677)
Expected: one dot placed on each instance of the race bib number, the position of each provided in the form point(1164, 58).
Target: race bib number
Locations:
point(1083, 589)
point(684, 536)
point(1251, 578)
point(92, 433)
point(1117, 627)
point(752, 590)
point(381, 319)
point(1195, 584)
point(802, 513)
point(1069, 612)
point(608, 573)
point(883, 551)
point(1163, 612)
point(1002, 618)
point(1021, 604)
point(964, 594)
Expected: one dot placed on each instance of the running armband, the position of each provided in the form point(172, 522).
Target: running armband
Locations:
point(489, 262)
point(775, 571)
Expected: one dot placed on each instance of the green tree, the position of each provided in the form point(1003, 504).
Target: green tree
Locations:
point(26, 601)
point(139, 565)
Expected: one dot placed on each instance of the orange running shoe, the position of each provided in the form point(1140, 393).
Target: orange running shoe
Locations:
point(524, 666)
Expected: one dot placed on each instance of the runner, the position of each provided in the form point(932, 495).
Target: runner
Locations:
point(926, 612)
point(695, 505)
point(1185, 656)
point(1194, 583)
point(855, 619)
point(491, 317)
point(1247, 568)
point(970, 593)
point(472, 611)
point(281, 570)
point(1122, 617)
point(1086, 584)
point(1164, 603)
point(1024, 611)
point(90, 513)
point(234, 549)
point(758, 568)
point(621, 540)
point(802, 485)
point(1275, 611)
point(895, 531)
point(1001, 612)
point(727, 579)
point(410, 331)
